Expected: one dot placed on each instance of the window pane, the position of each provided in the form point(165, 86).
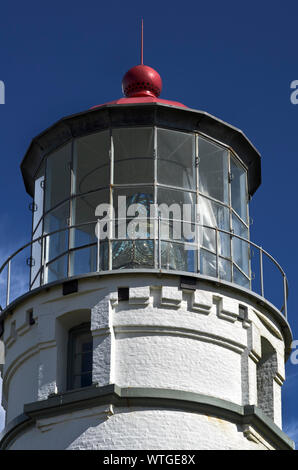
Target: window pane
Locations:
point(57, 269)
point(91, 162)
point(130, 196)
point(175, 256)
point(213, 214)
point(58, 176)
point(238, 189)
point(181, 204)
point(240, 247)
point(176, 158)
point(83, 212)
point(133, 254)
point(239, 278)
point(80, 357)
point(209, 268)
point(176, 209)
point(225, 269)
point(133, 155)
point(36, 257)
point(38, 198)
point(57, 219)
point(207, 263)
point(213, 170)
point(37, 226)
point(131, 203)
point(84, 260)
point(87, 360)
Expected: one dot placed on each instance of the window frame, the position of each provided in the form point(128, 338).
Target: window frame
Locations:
point(73, 334)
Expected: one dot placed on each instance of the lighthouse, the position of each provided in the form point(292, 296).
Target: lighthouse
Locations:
point(147, 322)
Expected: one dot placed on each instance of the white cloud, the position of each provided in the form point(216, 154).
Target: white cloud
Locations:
point(291, 430)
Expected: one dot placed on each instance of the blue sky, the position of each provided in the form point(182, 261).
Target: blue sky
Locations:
point(233, 59)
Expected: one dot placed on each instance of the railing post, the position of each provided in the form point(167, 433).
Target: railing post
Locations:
point(43, 260)
point(98, 246)
point(285, 297)
point(217, 255)
point(198, 245)
point(8, 283)
point(261, 272)
point(159, 242)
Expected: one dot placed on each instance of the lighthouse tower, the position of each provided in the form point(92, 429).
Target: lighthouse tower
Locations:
point(148, 321)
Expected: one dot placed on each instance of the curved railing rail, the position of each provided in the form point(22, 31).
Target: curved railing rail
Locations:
point(252, 276)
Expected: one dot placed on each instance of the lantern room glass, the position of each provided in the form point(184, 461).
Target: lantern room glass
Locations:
point(182, 175)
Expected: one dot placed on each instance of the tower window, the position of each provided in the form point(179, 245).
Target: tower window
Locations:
point(80, 347)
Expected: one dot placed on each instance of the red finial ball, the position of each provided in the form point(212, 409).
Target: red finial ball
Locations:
point(141, 80)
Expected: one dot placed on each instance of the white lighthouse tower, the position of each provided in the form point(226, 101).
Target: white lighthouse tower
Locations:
point(156, 341)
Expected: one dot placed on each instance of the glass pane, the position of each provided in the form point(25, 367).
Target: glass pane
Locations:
point(87, 359)
point(57, 269)
point(91, 162)
point(36, 263)
point(175, 256)
point(213, 214)
point(133, 254)
point(176, 158)
point(86, 380)
point(57, 243)
point(19, 276)
point(208, 238)
point(178, 204)
point(58, 176)
point(207, 263)
point(38, 198)
point(83, 212)
point(239, 278)
point(239, 189)
point(82, 364)
point(240, 247)
point(213, 170)
point(37, 228)
point(225, 269)
point(84, 260)
point(132, 205)
point(81, 340)
point(176, 209)
point(133, 155)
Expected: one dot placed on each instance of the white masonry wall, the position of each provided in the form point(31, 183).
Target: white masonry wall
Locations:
point(163, 337)
point(132, 428)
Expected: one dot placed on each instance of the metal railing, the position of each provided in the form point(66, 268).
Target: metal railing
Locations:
point(162, 249)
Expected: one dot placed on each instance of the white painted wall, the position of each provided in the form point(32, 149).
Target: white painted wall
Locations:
point(135, 428)
point(161, 338)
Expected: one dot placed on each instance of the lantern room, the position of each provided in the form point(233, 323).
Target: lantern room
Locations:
point(179, 177)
